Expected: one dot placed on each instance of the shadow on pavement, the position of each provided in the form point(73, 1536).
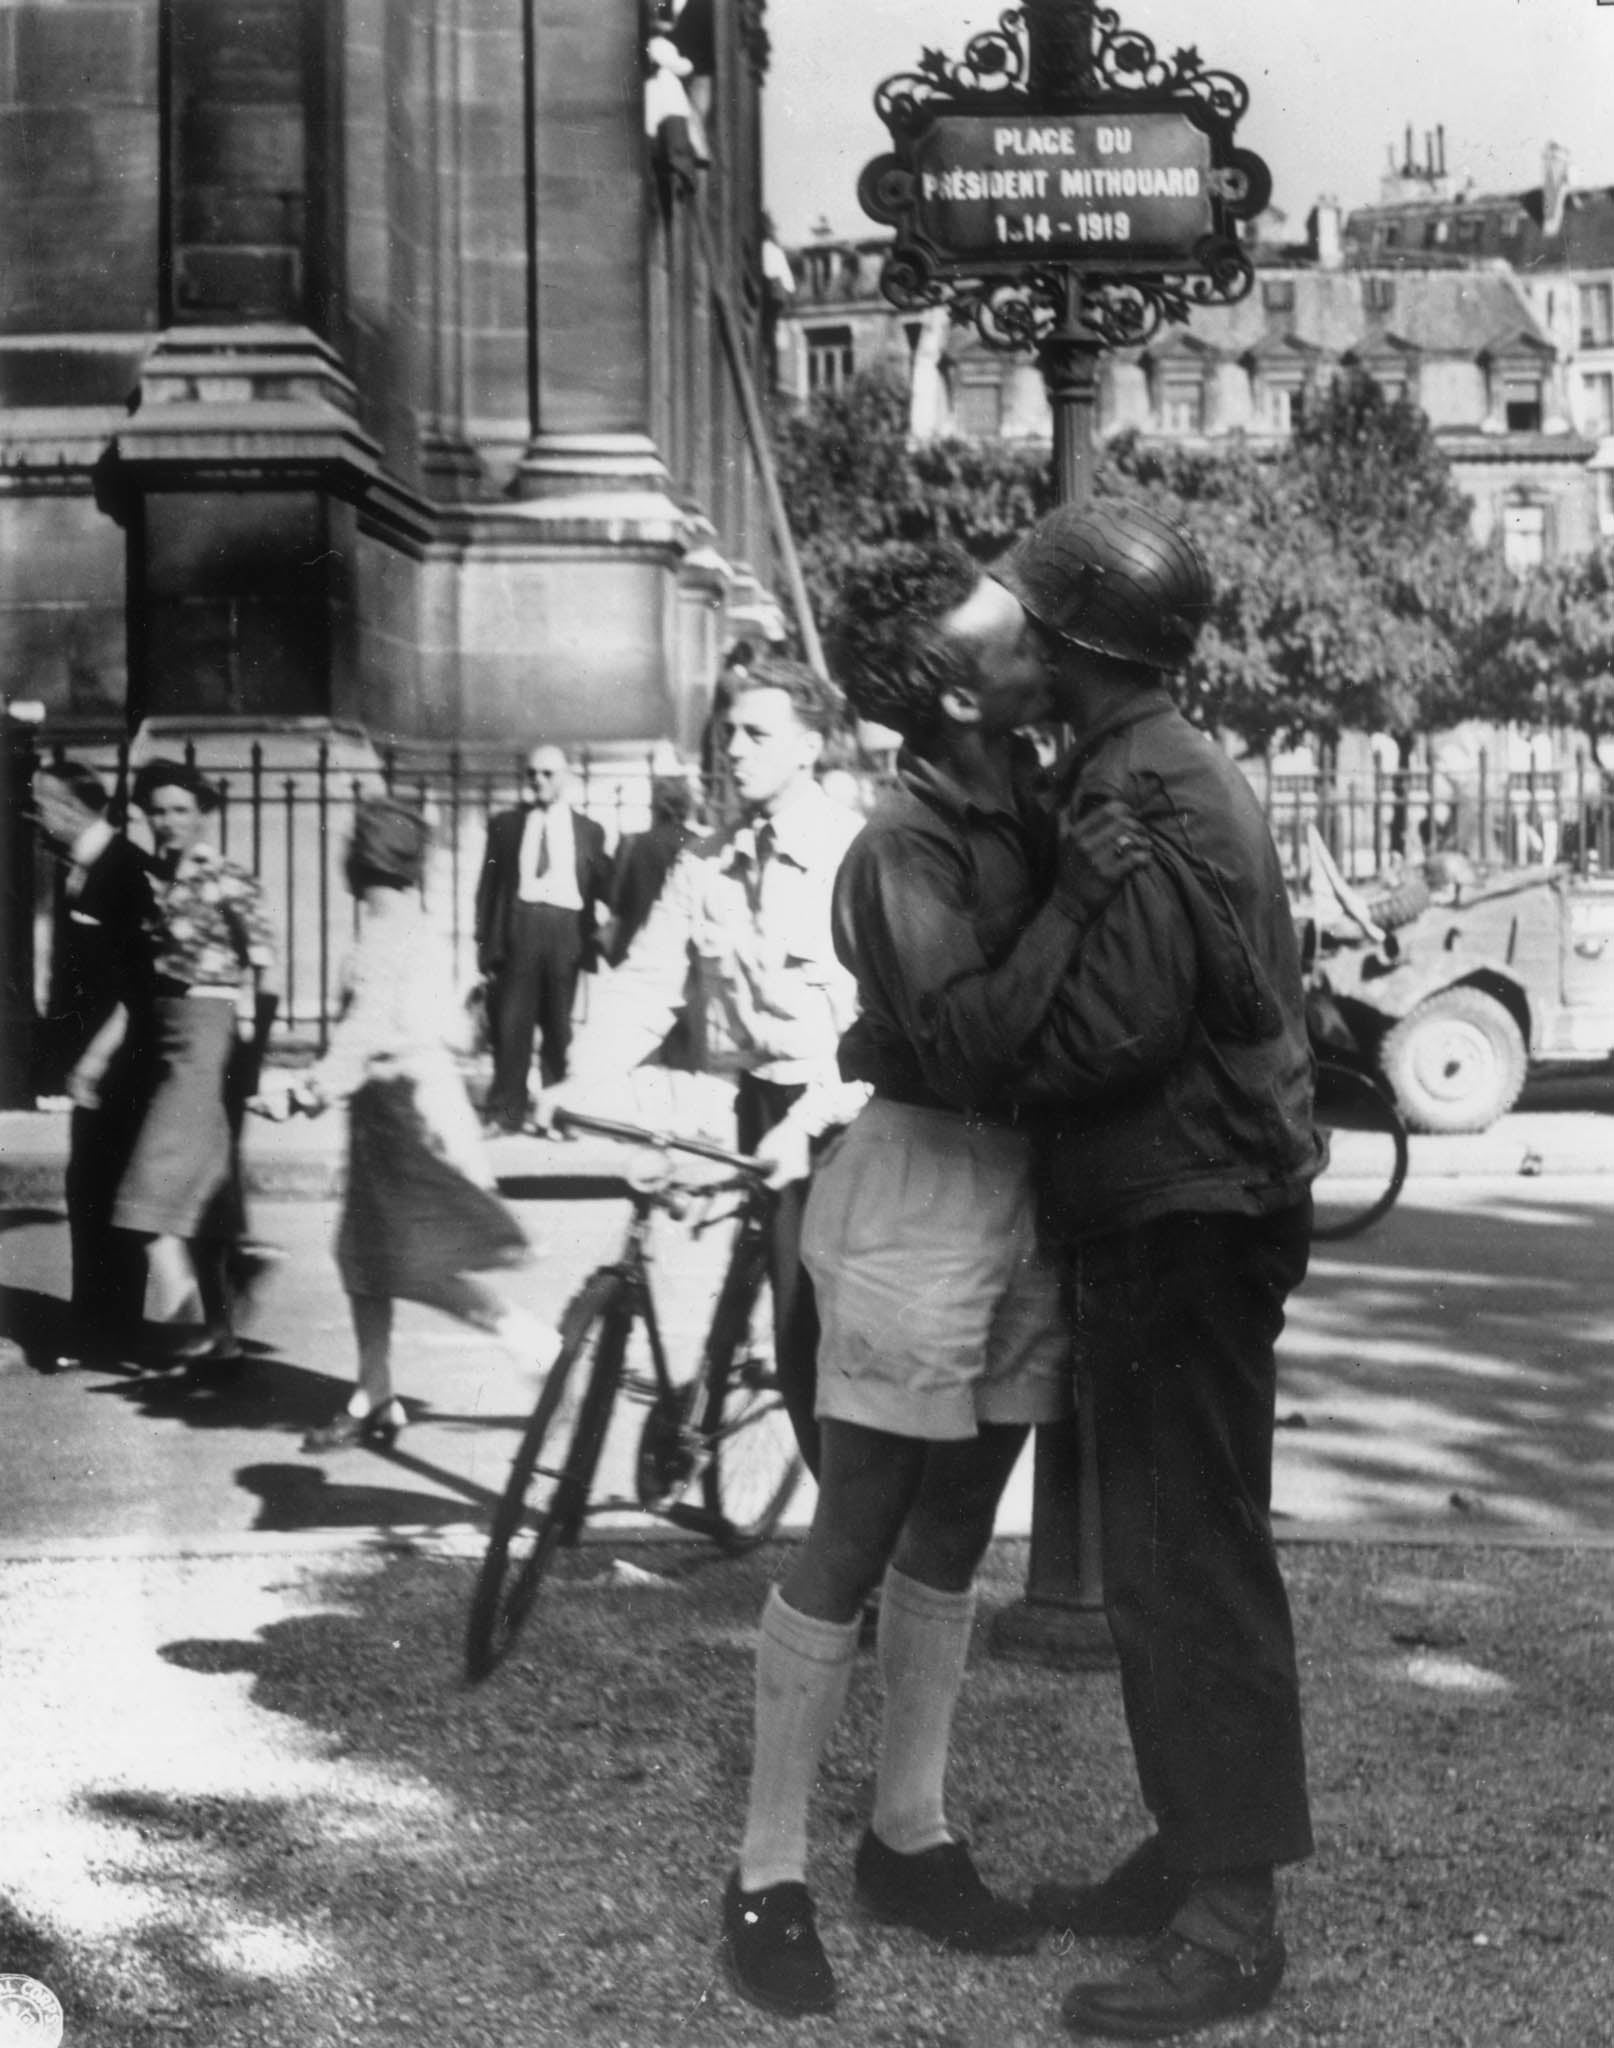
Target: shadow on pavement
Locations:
point(40, 1324)
point(1455, 1364)
point(306, 1497)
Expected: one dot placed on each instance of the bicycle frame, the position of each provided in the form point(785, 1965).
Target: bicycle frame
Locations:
point(632, 1267)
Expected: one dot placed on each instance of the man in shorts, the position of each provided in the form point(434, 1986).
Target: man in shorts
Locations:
point(1168, 1098)
point(942, 1335)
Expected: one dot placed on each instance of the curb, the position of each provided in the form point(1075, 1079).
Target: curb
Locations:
point(464, 1542)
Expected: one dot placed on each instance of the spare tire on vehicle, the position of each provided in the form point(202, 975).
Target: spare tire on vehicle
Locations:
point(1393, 904)
point(1455, 1063)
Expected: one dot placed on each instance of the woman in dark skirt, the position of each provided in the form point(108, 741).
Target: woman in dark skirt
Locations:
point(212, 957)
point(420, 1220)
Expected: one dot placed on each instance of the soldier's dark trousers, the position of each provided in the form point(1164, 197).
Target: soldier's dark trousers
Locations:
point(1178, 1319)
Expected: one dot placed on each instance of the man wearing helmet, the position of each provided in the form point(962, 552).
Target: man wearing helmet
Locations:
point(1175, 1152)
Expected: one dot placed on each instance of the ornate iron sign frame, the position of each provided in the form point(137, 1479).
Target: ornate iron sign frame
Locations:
point(1014, 300)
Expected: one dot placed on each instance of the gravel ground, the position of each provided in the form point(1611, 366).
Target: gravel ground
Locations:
point(249, 1801)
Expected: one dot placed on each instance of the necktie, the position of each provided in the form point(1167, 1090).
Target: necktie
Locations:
point(541, 864)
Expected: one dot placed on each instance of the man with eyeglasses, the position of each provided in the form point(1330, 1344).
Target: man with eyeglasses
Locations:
point(544, 878)
point(739, 946)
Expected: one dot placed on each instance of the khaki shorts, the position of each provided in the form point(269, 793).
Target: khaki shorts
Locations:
point(937, 1309)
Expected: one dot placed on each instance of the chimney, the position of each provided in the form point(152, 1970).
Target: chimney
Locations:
point(1327, 234)
point(1554, 187)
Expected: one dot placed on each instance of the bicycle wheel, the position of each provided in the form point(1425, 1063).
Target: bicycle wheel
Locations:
point(1367, 1148)
point(753, 1464)
point(545, 1500)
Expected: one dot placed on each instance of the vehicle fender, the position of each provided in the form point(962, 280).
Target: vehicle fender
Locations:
point(1397, 994)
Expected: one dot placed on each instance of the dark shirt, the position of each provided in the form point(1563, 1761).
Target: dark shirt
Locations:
point(643, 863)
point(943, 912)
point(103, 936)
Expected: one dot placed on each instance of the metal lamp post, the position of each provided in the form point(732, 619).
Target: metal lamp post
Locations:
point(1064, 189)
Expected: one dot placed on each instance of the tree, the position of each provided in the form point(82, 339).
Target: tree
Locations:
point(1344, 572)
point(851, 481)
point(1544, 648)
point(1349, 593)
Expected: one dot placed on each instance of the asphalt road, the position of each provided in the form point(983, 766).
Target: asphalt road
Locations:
point(1446, 1374)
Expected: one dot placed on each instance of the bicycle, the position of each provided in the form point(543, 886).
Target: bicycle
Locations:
point(716, 1455)
point(1364, 1177)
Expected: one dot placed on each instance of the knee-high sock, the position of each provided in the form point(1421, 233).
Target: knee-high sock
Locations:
point(923, 1645)
point(803, 1669)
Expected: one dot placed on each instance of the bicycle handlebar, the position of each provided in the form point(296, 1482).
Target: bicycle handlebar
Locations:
point(663, 1141)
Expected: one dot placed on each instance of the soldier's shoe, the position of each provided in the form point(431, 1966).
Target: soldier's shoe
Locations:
point(1175, 1987)
point(941, 1893)
point(1139, 1897)
point(771, 1945)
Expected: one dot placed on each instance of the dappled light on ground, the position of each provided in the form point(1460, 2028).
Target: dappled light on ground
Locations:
point(1452, 1368)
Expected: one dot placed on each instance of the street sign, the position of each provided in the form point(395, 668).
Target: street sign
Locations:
point(1122, 190)
point(1064, 154)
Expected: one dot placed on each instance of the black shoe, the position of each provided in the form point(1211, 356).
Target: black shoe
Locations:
point(940, 1892)
point(1139, 1896)
point(1176, 1986)
point(772, 1948)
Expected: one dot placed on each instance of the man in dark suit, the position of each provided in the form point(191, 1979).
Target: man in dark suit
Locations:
point(103, 962)
point(544, 878)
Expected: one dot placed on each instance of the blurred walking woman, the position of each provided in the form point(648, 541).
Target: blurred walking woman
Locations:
point(420, 1220)
point(211, 954)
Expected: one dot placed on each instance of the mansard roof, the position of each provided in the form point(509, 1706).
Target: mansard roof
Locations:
point(1495, 226)
point(1334, 312)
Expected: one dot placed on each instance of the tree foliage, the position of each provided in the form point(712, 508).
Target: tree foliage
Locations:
point(851, 481)
point(1350, 593)
point(1347, 583)
point(1544, 646)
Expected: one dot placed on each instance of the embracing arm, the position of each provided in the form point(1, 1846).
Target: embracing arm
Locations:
point(972, 1023)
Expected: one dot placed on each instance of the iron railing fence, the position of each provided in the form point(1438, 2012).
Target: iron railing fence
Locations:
point(288, 824)
point(1493, 817)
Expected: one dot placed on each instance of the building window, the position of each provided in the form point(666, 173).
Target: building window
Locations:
point(1596, 315)
point(1281, 407)
point(829, 358)
point(1524, 537)
point(1598, 392)
point(1391, 236)
point(1434, 233)
point(978, 411)
point(1605, 500)
point(1278, 294)
point(1521, 404)
point(1378, 294)
point(1470, 230)
point(1182, 409)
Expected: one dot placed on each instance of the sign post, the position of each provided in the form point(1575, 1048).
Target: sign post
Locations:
point(1064, 189)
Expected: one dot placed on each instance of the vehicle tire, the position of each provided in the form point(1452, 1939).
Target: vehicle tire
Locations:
point(1455, 1063)
point(1368, 1166)
point(753, 1464)
point(1398, 903)
point(545, 1501)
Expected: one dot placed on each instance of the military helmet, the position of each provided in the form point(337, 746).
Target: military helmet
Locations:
point(1114, 576)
